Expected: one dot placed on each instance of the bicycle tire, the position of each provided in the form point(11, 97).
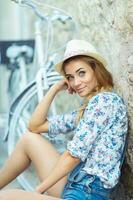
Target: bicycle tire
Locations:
point(13, 89)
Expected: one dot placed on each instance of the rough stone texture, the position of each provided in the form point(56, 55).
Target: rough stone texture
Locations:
point(108, 24)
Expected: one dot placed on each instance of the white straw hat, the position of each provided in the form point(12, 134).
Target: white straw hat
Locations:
point(77, 47)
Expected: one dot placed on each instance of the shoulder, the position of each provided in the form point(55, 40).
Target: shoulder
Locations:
point(104, 98)
point(106, 102)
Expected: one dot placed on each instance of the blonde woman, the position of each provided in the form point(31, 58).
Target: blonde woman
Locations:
point(90, 167)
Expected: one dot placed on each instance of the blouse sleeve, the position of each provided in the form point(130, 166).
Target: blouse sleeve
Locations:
point(62, 123)
point(96, 118)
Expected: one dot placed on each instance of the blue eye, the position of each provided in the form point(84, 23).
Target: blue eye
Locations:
point(81, 73)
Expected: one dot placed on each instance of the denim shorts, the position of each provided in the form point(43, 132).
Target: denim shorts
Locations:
point(82, 186)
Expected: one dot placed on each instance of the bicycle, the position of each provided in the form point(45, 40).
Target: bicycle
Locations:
point(24, 104)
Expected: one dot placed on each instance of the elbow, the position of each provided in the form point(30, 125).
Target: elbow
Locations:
point(38, 128)
point(32, 128)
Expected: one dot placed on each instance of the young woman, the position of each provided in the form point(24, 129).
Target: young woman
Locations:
point(90, 166)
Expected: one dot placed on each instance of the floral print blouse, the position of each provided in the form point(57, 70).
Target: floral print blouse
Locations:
point(99, 137)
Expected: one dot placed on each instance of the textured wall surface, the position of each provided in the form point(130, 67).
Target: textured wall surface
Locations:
point(108, 24)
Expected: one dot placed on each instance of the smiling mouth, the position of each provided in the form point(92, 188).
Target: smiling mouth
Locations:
point(80, 90)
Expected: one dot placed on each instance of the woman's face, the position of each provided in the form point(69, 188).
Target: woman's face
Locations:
point(80, 76)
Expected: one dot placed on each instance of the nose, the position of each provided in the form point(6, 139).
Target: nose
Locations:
point(77, 82)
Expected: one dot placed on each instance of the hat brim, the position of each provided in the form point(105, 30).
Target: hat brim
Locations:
point(58, 66)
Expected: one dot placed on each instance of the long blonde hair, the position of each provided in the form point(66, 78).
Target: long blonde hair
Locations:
point(103, 76)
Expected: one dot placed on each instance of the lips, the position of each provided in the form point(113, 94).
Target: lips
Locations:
point(80, 89)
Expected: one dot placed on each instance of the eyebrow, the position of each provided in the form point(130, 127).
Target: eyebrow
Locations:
point(76, 72)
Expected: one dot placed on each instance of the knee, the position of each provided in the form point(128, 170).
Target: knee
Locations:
point(27, 137)
point(3, 196)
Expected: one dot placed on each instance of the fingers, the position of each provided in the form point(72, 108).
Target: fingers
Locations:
point(69, 88)
point(65, 85)
point(39, 190)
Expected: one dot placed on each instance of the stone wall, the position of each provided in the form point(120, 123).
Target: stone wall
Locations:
point(108, 24)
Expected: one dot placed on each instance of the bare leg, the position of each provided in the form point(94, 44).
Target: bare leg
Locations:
point(22, 195)
point(16, 163)
point(33, 147)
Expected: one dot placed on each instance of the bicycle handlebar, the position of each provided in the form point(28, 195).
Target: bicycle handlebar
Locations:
point(59, 14)
point(33, 6)
point(17, 1)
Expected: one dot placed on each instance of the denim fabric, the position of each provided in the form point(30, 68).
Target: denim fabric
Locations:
point(82, 186)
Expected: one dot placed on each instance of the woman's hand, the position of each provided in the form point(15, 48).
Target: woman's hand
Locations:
point(64, 85)
point(40, 189)
point(64, 165)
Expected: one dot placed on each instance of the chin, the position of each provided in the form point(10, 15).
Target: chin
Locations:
point(84, 94)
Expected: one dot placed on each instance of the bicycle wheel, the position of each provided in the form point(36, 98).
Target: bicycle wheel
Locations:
point(14, 80)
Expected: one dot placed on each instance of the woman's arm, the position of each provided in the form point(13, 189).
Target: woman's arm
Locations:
point(38, 122)
point(65, 164)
